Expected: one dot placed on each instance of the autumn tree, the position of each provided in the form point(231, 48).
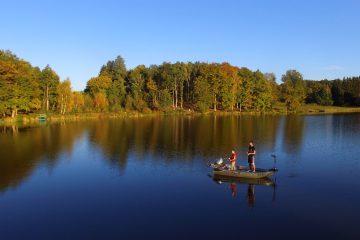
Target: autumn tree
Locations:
point(275, 91)
point(229, 82)
point(98, 84)
point(188, 69)
point(116, 92)
point(245, 89)
point(49, 82)
point(263, 99)
point(100, 101)
point(78, 101)
point(19, 85)
point(152, 93)
point(293, 89)
point(169, 86)
point(64, 97)
point(137, 87)
point(97, 87)
point(203, 94)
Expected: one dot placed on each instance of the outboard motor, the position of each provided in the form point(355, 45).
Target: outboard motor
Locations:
point(220, 161)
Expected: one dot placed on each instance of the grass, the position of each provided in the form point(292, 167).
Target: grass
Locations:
point(316, 109)
point(279, 108)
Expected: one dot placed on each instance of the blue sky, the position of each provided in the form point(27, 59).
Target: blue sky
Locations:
point(321, 39)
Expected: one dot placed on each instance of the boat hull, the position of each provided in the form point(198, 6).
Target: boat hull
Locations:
point(243, 173)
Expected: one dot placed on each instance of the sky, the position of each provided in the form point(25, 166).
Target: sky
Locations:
point(320, 39)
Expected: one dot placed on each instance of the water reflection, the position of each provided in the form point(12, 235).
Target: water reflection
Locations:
point(293, 133)
point(167, 139)
point(22, 149)
point(180, 138)
point(164, 183)
point(233, 183)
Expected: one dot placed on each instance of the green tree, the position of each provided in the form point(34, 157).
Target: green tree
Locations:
point(7, 77)
point(180, 75)
point(116, 92)
point(78, 101)
point(188, 69)
point(116, 69)
point(168, 81)
point(229, 81)
point(318, 92)
point(293, 89)
point(245, 89)
point(49, 82)
point(100, 101)
point(165, 100)
point(203, 94)
point(64, 97)
point(275, 90)
point(337, 91)
point(19, 85)
point(152, 93)
point(98, 84)
point(263, 92)
point(137, 87)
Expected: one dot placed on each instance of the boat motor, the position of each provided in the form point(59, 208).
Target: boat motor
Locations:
point(220, 161)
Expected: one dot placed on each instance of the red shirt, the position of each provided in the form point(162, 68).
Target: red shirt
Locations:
point(233, 157)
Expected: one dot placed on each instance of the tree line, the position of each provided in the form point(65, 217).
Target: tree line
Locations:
point(197, 86)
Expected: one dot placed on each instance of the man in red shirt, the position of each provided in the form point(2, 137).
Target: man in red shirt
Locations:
point(233, 160)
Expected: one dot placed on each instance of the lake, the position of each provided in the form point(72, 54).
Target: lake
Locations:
point(148, 178)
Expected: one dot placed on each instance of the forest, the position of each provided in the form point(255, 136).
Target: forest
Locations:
point(180, 86)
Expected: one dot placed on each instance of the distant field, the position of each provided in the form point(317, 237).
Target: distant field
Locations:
point(313, 108)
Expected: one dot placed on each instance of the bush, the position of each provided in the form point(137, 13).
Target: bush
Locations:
point(129, 101)
point(202, 107)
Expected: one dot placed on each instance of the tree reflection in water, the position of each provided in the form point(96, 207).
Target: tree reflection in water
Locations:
point(22, 149)
point(172, 139)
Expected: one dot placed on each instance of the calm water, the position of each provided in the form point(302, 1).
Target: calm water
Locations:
point(147, 178)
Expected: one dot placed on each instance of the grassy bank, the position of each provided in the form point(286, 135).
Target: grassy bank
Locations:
point(52, 117)
point(316, 109)
point(278, 109)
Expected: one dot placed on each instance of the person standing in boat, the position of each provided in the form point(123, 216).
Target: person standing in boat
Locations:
point(251, 156)
point(232, 160)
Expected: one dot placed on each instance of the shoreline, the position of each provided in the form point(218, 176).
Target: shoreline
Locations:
point(29, 119)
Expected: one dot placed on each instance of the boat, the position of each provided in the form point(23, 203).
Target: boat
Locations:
point(42, 117)
point(242, 173)
point(223, 170)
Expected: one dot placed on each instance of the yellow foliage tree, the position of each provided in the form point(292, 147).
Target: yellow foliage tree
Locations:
point(65, 97)
point(100, 101)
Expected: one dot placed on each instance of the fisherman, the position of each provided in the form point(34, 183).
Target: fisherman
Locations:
point(232, 160)
point(251, 156)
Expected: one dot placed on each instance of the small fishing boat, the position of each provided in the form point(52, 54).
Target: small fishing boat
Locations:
point(221, 169)
point(42, 117)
